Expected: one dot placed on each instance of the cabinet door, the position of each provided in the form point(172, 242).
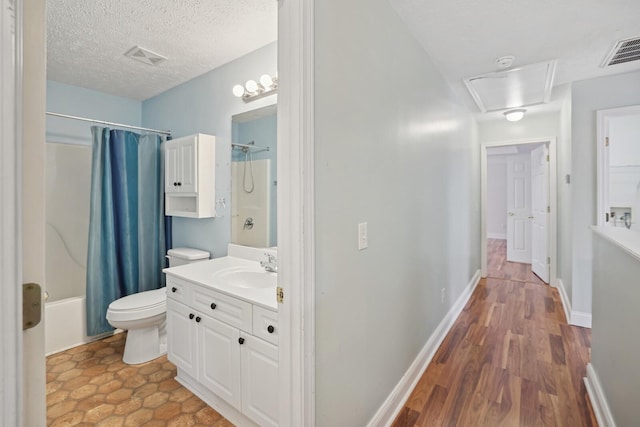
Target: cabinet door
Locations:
point(219, 352)
point(181, 337)
point(260, 381)
point(189, 165)
point(171, 166)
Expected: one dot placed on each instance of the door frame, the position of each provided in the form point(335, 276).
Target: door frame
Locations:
point(602, 155)
point(11, 384)
point(553, 202)
point(296, 247)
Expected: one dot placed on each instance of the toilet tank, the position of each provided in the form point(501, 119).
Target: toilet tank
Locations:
point(181, 256)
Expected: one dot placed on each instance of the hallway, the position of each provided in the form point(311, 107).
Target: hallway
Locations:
point(510, 359)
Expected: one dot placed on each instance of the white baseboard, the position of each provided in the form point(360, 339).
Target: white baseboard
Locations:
point(580, 318)
point(574, 317)
point(598, 400)
point(394, 403)
point(566, 304)
point(499, 236)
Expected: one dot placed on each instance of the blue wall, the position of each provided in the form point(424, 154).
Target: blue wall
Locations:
point(263, 132)
point(206, 104)
point(76, 101)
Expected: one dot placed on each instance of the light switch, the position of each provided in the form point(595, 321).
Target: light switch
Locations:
point(362, 236)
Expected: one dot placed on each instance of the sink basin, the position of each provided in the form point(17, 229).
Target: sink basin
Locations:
point(248, 279)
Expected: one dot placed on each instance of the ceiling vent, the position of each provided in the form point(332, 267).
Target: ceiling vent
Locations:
point(512, 88)
point(624, 51)
point(143, 55)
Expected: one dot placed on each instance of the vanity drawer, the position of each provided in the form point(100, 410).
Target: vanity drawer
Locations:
point(265, 324)
point(231, 311)
point(178, 289)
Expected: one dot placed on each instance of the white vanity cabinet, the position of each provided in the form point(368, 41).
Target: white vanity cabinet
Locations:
point(219, 355)
point(189, 176)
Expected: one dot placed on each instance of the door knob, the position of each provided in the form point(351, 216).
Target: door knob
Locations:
point(270, 329)
point(241, 341)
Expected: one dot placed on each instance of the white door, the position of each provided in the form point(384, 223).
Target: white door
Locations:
point(519, 208)
point(219, 354)
point(260, 381)
point(33, 202)
point(189, 166)
point(171, 166)
point(181, 337)
point(540, 212)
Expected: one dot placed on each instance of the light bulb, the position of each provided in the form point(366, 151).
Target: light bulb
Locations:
point(238, 90)
point(266, 81)
point(251, 86)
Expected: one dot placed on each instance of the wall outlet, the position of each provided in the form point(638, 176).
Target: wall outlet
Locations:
point(443, 293)
point(363, 239)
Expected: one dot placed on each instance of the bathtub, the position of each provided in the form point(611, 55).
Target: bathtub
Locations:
point(65, 325)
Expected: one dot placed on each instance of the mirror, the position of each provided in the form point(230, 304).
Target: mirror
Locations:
point(621, 166)
point(253, 178)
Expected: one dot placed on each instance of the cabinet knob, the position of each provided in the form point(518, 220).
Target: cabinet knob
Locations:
point(179, 184)
point(191, 315)
point(241, 340)
point(213, 306)
point(175, 184)
point(198, 319)
point(270, 329)
point(174, 289)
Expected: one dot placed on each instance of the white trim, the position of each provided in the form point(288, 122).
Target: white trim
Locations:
point(553, 200)
point(580, 318)
point(598, 400)
point(576, 318)
point(394, 403)
point(296, 213)
point(11, 383)
point(499, 236)
point(564, 299)
point(602, 155)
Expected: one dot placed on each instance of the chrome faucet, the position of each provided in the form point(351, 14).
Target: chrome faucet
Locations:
point(271, 264)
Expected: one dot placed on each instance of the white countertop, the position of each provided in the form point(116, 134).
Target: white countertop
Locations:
point(204, 274)
point(628, 240)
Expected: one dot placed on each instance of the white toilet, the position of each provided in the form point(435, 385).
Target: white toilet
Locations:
point(144, 314)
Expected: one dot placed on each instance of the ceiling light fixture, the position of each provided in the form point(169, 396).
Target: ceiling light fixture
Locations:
point(515, 115)
point(253, 90)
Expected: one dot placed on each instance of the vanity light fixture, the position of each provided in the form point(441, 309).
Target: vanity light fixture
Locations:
point(515, 115)
point(253, 90)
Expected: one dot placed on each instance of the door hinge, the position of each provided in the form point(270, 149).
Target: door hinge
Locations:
point(606, 141)
point(31, 305)
point(280, 294)
point(548, 260)
point(549, 209)
point(547, 157)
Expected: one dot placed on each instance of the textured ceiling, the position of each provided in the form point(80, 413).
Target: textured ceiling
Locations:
point(87, 40)
point(464, 37)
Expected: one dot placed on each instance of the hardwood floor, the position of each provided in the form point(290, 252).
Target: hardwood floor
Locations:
point(499, 268)
point(509, 360)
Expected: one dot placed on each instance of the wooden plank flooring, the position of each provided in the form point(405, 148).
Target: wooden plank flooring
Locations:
point(510, 359)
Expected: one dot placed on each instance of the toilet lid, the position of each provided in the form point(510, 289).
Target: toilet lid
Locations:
point(141, 300)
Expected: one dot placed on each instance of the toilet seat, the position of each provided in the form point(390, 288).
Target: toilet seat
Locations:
point(138, 306)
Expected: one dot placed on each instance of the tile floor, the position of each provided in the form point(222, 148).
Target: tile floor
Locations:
point(89, 385)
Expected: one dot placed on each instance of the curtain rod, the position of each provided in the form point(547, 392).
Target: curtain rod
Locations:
point(66, 116)
point(250, 146)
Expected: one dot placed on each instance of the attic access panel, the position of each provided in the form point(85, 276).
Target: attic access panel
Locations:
point(513, 88)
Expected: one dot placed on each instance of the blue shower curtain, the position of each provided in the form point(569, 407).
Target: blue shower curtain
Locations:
point(127, 241)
